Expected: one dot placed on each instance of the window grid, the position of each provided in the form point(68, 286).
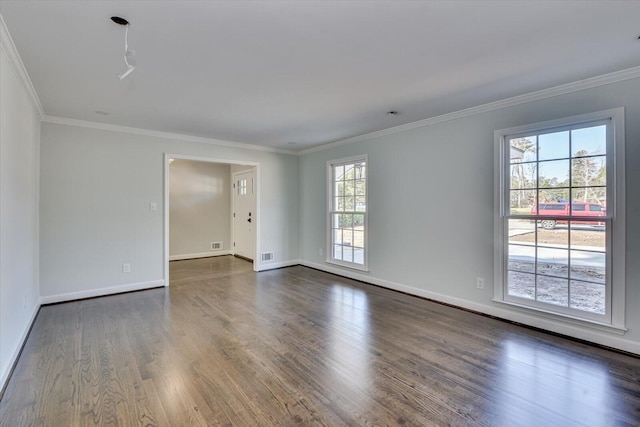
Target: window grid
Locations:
point(546, 281)
point(348, 213)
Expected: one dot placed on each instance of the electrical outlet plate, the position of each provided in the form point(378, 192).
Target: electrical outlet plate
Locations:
point(126, 268)
point(480, 283)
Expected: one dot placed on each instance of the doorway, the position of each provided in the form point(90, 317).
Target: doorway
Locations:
point(243, 223)
point(249, 171)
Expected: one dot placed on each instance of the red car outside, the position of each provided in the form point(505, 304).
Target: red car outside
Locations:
point(580, 209)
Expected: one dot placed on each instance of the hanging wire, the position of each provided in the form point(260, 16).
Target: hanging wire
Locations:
point(127, 53)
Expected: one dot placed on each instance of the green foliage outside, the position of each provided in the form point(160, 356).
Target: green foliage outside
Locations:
point(350, 194)
point(587, 184)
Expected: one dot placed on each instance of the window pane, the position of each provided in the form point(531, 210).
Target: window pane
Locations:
point(586, 236)
point(349, 204)
point(347, 237)
point(552, 290)
point(589, 171)
point(339, 173)
point(553, 262)
point(521, 285)
point(553, 146)
point(347, 253)
point(360, 187)
point(590, 195)
point(523, 149)
point(345, 221)
point(554, 173)
point(589, 141)
point(358, 237)
point(361, 204)
point(522, 202)
point(554, 195)
point(588, 296)
point(358, 255)
point(358, 219)
point(523, 175)
point(337, 252)
point(337, 236)
point(522, 258)
point(588, 266)
point(558, 237)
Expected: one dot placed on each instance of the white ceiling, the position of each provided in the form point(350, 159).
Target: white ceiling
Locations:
point(272, 73)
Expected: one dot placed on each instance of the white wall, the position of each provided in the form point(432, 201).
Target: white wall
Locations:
point(19, 170)
point(199, 208)
point(431, 205)
point(96, 188)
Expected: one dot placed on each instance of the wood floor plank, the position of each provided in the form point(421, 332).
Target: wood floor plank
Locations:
point(225, 346)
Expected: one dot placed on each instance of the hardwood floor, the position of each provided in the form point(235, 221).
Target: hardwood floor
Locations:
point(226, 346)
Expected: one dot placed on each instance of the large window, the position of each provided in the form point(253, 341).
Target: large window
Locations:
point(347, 201)
point(560, 217)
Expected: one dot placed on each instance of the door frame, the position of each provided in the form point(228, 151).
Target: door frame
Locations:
point(165, 203)
point(233, 207)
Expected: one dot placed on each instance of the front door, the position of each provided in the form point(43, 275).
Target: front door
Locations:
point(244, 214)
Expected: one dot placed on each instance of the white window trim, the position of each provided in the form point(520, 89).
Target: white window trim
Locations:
point(616, 323)
point(329, 205)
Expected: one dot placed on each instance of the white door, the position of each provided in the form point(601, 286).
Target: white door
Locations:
point(244, 214)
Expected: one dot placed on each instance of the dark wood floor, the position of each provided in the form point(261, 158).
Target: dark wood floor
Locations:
point(226, 346)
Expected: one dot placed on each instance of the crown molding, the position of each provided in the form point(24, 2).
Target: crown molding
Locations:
point(589, 83)
point(9, 48)
point(160, 134)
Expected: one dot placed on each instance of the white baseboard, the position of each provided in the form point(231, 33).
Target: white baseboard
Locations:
point(71, 296)
point(14, 357)
point(569, 327)
point(198, 255)
point(281, 264)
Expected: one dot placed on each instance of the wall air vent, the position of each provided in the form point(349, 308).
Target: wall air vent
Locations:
point(216, 246)
point(266, 256)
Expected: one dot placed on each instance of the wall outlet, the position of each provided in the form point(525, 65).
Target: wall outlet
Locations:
point(480, 282)
point(153, 206)
point(320, 252)
point(126, 268)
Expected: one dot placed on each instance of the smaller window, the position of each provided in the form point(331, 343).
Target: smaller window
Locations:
point(347, 209)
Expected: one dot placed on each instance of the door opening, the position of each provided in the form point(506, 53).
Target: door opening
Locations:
point(248, 204)
point(244, 202)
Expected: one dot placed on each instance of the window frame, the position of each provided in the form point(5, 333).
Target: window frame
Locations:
point(331, 164)
point(614, 317)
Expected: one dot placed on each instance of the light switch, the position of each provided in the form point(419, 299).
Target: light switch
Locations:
point(153, 206)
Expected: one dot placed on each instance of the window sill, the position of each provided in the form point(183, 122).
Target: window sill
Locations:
point(563, 318)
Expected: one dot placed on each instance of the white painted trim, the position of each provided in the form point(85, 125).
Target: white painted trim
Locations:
point(608, 337)
point(256, 188)
point(16, 352)
point(590, 83)
point(616, 313)
point(198, 255)
point(71, 296)
point(328, 211)
point(161, 134)
point(9, 48)
point(280, 264)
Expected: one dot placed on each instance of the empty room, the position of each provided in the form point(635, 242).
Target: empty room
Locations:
point(336, 213)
